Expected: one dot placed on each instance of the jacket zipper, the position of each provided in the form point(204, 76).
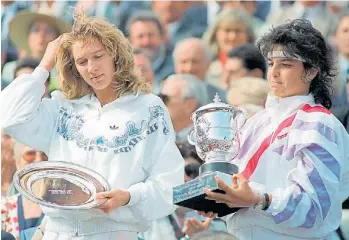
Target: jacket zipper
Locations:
point(277, 120)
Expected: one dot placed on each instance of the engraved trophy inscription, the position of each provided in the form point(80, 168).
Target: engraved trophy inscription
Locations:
point(216, 138)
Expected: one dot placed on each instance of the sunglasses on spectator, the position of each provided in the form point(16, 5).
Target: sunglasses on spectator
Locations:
point(31, 156)
point(47, 30)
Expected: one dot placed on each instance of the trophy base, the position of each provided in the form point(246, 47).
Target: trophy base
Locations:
point(223, 167)
point(191, 194)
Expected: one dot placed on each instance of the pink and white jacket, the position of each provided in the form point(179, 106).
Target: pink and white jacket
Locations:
point(298, 151)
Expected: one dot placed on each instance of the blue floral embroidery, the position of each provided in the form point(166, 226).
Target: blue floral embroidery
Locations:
point(69, 127)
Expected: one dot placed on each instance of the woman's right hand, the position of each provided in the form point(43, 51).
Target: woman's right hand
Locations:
point(49, 58)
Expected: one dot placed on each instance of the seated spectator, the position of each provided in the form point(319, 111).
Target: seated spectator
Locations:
point(314, 11)
point(232, 28)
point(182, 94)
point(143, 63)
point(248, 93)
point(8, 165)
point(32, 32)
point(27, 65)
point(8, 10)
point(20, 216)
point(60, 9)
point(117, 12)
point(250, 7)
point(192, 56)
point(146, 32)
point(243, 61)
point(191, 159)
point(181, 19)
point(340, 98)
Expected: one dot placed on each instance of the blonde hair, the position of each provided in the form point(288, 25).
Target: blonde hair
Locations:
point(248, 90)
point(229, 15)
point(127, 79)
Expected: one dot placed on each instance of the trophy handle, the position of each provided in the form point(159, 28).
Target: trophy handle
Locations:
point(241, 118)
point(191, 137)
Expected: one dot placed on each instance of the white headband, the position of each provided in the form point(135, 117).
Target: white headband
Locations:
point(281, 54)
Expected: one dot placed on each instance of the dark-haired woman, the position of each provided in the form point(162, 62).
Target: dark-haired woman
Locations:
point(294, 156)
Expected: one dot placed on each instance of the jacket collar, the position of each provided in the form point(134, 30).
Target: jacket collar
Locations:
point(285, 106)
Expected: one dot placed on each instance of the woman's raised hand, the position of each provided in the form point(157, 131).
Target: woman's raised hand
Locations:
point(49, 58)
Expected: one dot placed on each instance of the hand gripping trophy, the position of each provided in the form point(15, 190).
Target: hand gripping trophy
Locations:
point(216, 138)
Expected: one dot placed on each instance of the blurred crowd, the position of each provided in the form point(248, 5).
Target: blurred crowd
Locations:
point(188, 51)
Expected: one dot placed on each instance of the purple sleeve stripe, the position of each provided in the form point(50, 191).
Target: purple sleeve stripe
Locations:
point(318, 185)
point(291, 206)
point(324, 156)
point(310, 219)
point(324, 130)
point(279, 150)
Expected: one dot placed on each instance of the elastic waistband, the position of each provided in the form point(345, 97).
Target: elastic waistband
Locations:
point(88, 227)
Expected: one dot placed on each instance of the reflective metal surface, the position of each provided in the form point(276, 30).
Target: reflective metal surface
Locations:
point(60, 185)
point(216, 131)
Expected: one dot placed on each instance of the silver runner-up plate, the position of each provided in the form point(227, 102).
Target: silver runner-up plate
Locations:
point(60, 185)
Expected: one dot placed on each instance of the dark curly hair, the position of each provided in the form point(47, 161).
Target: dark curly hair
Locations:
point(300, 38)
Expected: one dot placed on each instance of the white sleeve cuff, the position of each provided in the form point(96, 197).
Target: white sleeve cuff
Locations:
point(135, 195)
point(275, 202)
point(40, 74)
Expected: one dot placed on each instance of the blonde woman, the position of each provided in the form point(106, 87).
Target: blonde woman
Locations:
point(248, 93)
point(232, 28)
point(107, 120)
point(248, 90)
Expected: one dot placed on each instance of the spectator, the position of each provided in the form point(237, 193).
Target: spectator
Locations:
point(143, 63)
point(243, 61)
point(182, 94)
point(147, 32)
point(60, 9)
point(20, 216)
point(192, 56)
point(27, 65)
point(314, 11)
point(182, 19)
point(248, 93)
point(191, 159)
point(340, 106)
point(8, 165)
point(117, 12)
point(250, 8)
point(8, 10)
point(32, 32)
point(232, 28)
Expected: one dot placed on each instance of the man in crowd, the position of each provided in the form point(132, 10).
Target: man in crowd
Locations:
point(191, 56)
point(244, 61)
point(146, 32)
point(182, 94)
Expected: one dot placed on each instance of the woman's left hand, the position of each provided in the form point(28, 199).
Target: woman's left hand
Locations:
point(116, 198)
point(238, 195)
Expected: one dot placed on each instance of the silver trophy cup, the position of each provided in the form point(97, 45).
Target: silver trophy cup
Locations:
point(216, 138)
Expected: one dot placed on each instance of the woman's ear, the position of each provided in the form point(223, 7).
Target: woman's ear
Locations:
point(313, 72)
point(308, 76)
